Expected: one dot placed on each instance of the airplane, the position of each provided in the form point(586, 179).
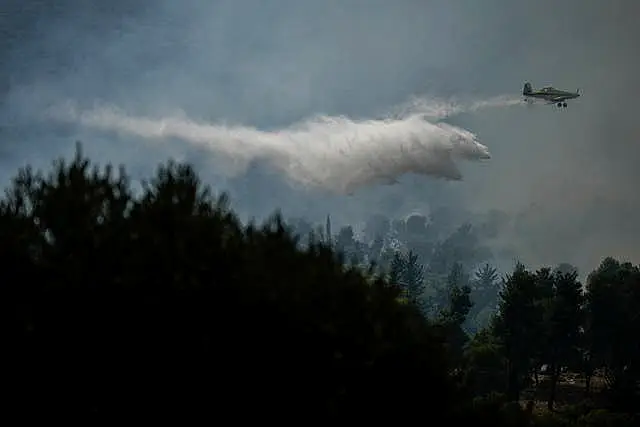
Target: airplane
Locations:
point(549, 94)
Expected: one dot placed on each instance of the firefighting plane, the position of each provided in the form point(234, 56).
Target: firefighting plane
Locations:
point(549, 94)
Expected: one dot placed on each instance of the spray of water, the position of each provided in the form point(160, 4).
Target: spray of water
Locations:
point(334, 153)
point(438, 109)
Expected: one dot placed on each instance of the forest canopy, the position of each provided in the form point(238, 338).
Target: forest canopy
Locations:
point(161, 302)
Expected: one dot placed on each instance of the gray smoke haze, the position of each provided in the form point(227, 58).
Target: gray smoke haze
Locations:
point(568, 177)
point(192, 71)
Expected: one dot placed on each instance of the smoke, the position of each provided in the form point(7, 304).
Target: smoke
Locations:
point(334, 153)
point(564, 179)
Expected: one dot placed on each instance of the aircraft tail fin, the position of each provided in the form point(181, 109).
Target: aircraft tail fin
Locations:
point(527, 89)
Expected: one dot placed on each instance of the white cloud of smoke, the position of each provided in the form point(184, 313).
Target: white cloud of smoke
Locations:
point(564, 179)
point(334, 153)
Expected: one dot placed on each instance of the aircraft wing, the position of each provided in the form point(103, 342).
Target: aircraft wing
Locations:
point(552, 99)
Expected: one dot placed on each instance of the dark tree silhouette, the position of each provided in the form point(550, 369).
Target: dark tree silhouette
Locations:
point(408, 274)
point(613, 302)
point(484, 294)
point(517, 326)
point(562, 320)
point(164, 304)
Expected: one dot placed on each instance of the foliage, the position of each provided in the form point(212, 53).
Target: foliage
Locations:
point(165, 304)
point(162, 303)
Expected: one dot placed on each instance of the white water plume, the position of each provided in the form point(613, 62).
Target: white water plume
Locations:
point(334, 153)
point(440, 109)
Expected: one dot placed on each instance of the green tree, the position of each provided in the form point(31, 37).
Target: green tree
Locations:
point(562, 322)
point(396, 271)
point(485, 363)
point(455, 311)
point(328, 232)
point(463, 247)
point(407, 272)
point(458, 296)
point(486, 285)
point(414, 279)
point(613, 325)
point(165, 304)
point(542, 300)
point(515, 324)
point(484, 294)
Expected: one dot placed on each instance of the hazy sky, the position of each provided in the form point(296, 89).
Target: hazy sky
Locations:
point(566, 177)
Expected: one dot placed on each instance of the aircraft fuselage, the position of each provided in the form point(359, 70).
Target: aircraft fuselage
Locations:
point(549, 94)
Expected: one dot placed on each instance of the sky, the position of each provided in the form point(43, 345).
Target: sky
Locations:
point(253, 75)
